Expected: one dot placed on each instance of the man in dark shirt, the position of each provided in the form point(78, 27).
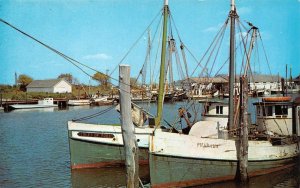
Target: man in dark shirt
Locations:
point(184, 120)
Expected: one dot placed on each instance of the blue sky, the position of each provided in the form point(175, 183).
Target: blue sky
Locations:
point(99, 33)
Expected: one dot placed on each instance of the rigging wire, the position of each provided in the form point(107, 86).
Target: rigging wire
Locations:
point(95, 115)
point(219, 36)
point(263, 46)
point(208, 48)
point(66, 57)
point(144, 67)
point(135, 43)
point(220, 43)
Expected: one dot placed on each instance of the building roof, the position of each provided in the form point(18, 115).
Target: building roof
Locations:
point(265, 78)
point(297, 79)
point(210, 80)
point(223, 79)
point(256, 77)
point(45, 83)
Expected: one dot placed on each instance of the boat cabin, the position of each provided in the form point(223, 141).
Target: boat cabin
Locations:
point(215, 110)
point(278, 115)
point(46, 101)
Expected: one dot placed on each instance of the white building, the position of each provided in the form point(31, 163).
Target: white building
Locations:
point(50, 86)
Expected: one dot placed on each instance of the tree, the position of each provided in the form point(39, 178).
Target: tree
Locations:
point(101, 78)
point(23, 81)
point(67, 76)
point(134, 82)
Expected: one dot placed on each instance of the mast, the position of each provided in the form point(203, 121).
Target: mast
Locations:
point(232, 16)
point(251, 46)
point(162, 66)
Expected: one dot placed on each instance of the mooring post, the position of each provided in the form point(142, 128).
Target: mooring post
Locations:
point(129, 140)
point(242, 172)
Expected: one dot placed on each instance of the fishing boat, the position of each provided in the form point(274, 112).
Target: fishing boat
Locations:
point(211, 153)
point(101, 101)
point(102, 145)
point(207, 155)
point(45, 103)
point(96, 146)
point(79, 102)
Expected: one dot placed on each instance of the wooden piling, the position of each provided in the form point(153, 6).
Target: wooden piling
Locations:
point(242, 172)
point(129, 140)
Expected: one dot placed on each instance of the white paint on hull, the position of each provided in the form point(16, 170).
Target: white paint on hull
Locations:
point(141, 133)
point(187, 146)
point(29, 106)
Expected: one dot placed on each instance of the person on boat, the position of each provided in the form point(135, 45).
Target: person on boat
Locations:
point(185, 120)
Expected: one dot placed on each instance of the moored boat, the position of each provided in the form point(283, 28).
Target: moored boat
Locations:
point(45, 103)
point(95, 146)
point(79, 102)
point(206, 155)
point(102, 145)
point(211, 153)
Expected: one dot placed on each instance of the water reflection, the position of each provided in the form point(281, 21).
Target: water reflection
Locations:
point(288, 178)
point(105, 177)
point(35, 151)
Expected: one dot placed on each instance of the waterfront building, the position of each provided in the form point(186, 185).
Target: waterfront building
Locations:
point(50, 86)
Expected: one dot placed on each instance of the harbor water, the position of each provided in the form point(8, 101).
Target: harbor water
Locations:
point(35, 153)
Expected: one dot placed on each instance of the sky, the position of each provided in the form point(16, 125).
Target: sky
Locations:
point(99, 33)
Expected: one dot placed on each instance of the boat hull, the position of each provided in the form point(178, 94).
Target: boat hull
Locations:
point(96, 146)
point(30, 106)
point(85, 154)
point(179, 160)
point(79, 102)
point(166, 171)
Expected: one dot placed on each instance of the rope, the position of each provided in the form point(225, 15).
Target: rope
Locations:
point(95, 115)
point(222, 36)
point(209, 47)
point(67, 58)
point(265, 53)
point(135, 43)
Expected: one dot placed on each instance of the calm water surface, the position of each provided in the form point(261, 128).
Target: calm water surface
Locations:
point(34, 151)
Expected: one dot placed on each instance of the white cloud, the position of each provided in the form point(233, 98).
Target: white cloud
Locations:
point(241, 34)
point(265, 35)
point(98, 56)
point(213, 28)
point(244, 10)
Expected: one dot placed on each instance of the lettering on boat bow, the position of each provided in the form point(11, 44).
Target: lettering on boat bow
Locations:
point(207, 145)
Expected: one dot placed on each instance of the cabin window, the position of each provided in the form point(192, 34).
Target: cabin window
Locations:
point(281, 110)
point(206, 109)
point(219, 109)
point(267, 111)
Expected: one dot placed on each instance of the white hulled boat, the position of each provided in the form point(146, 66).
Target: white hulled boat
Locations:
point(212, 153)
point(45, 103)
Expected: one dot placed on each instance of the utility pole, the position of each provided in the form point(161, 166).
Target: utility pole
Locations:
point(129, 140)
point(286, 85)
point(16, 79)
